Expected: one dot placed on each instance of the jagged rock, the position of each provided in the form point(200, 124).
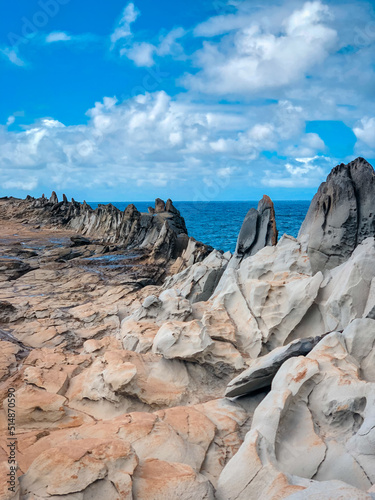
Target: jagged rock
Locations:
point(198, 282)
point(263, 369)
point(316, 423)
point(12, 268)
point(8, 312)
point(346, 293)
point(160, 235)
point(54, 199)
point(341, 214)
point(258, 230)
point(78, 241)
point(159, 206)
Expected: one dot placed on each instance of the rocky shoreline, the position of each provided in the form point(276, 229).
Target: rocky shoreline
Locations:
point(149, 366)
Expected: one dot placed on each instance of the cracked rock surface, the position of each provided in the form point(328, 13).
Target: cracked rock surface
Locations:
point(165, 370)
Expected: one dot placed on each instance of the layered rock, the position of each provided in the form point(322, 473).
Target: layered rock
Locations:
point(161, 233)
point(118, 380)
point(341, 214)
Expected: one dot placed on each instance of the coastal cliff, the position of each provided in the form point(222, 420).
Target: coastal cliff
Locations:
point(229, 377)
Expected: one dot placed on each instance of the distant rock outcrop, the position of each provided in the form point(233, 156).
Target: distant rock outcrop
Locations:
point(341, 214)
point(161, 233)
point(258, 230)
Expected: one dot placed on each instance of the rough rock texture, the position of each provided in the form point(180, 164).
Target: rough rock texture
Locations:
point(119, 375)
point(341, 214)
point(258, 230)
point(263, 369)
point(317, 423)
point(161, 234)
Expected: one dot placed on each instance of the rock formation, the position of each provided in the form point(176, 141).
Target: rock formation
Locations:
point(341, 214)
point(162, 234)
point(120, 378)
point(258, 230)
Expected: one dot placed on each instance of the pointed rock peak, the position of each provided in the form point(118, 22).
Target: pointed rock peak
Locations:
point(170, 208)
point(159, 206)
point(65, 199)
point(54, 198)
point(341, 214)
point(267, 204)
point(130, 210)
point(258, 230)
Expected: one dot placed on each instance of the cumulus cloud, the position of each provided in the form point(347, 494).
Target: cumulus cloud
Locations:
point(150, 139)
point(301, 172)
point(365, 131)
point(258, 56)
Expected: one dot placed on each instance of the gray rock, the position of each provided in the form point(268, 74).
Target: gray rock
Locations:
point(341, 214)
point(78, 241)
point(53, 198)
point(258, 230)
point(160, 235)
point(262, 370)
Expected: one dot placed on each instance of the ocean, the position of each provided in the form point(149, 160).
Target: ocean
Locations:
point(217, 223)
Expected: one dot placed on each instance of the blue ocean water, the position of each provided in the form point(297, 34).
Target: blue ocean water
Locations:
point(217, 223)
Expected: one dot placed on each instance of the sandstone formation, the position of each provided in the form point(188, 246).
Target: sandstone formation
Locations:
point(341, 214)
point(121, 359)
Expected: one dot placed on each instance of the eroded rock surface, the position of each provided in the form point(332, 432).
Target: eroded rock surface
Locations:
point(258, 231)
point(341, 214)
point(119, 374)
point(315, 424)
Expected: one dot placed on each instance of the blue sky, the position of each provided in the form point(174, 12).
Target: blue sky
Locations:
point(212, 100)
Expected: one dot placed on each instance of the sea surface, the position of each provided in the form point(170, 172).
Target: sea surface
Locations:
point(217, 223)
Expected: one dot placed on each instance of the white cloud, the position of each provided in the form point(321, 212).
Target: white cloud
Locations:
point(58, 36)
point(123, 29)
point(365, 131)
point(221, 24)
point(12, 55)
point(143, 53)
point(24, 185)
point(10, 121)
point(309, 145)
point(150, 139)
point(301, 172)
point(258, 56)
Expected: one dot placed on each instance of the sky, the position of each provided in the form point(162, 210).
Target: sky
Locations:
point(200, 100)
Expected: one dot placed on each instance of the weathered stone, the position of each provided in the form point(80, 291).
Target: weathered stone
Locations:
point(263, 369)
point(341, 214)
point(258, 230)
